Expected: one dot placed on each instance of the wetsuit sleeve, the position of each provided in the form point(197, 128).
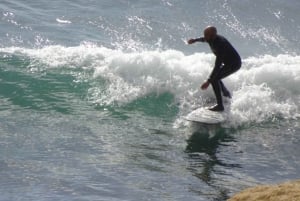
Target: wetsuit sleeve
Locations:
point(216, 69)
point(201, 39)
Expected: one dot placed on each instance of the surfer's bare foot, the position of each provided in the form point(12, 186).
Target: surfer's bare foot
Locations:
point(217, 108)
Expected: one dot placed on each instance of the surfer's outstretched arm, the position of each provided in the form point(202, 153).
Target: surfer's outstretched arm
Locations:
point(193, 40)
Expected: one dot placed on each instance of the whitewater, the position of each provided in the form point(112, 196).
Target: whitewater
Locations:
point(265, 88)
point(94, 95)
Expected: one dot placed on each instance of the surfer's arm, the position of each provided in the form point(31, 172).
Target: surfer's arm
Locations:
point(193, 40)
point(216, 69)
point(201, 39)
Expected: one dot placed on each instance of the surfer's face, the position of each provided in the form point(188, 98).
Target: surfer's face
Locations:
point(210, 33)
point(207, 36)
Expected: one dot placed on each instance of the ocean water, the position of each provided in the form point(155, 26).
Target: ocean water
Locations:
point(93, 96)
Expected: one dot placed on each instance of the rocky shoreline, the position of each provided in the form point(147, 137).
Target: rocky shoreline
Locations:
point(288, 191)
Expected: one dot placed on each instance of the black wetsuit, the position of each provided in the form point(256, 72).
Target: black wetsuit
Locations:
point(227, 62)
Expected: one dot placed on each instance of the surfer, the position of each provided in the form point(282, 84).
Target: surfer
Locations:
point(227, 62)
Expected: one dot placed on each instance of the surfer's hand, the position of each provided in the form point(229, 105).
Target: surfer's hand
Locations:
point(205, 85)
point(191, 41)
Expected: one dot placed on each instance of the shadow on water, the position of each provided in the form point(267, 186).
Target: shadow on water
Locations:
point(202, 149)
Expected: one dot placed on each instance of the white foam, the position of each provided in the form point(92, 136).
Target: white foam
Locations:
point(264, 88)
point(63, 21)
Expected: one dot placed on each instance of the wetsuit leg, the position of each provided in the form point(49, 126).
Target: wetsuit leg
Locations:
point(218, 85)
point(217, 90)
point(225, 91)
point(227, 70)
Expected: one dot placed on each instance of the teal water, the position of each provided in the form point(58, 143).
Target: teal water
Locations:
point(93, 97)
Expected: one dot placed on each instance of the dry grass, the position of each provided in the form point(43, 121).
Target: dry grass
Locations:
point(289, 191)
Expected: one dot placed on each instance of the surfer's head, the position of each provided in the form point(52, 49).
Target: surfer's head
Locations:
point(210, 33)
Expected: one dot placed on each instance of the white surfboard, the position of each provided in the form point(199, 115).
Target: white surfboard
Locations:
point(206, 116)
